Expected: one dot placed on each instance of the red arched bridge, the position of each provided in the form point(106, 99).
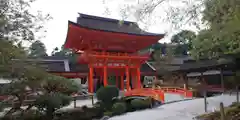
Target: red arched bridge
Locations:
point(158, 93)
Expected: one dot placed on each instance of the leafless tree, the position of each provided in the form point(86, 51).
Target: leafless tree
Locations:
point(177, 13)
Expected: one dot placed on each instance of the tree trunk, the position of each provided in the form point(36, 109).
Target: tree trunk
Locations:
point(222, 112)
point(205, 101)
point(49, 113)
point(16, 105)
point(237, 94)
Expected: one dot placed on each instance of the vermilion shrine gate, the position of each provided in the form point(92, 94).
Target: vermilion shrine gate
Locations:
point(110, 48)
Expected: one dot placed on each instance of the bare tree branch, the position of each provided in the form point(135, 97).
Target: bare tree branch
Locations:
point(180, 13)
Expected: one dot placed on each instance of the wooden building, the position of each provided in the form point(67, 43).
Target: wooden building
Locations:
point(110, 48)
point(186, 72)
point(62, 66)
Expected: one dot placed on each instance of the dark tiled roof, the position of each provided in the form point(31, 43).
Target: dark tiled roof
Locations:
point(167, 69)
point(188, 64)
point(111, 25)
point(206, 64)
point(59, 66)
point(49, 58)
point(52, 66)
point(56, 64)
point(146, 68)
point(84, 68)
point(49, 65)
point(75, 67)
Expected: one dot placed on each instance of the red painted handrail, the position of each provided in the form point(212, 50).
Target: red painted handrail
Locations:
point(155, 94)
point(177, 90)
point(158, 94)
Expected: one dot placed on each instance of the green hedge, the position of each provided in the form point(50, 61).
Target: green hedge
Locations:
point(138, 104)
point(106, 95)
point(119, 108)
point(79, 114)
point(108, 113)
point(28, 115)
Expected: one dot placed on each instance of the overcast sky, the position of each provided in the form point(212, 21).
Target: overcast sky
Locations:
point(64, 10)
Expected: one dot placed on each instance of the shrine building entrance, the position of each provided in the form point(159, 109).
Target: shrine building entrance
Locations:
point(110, 48)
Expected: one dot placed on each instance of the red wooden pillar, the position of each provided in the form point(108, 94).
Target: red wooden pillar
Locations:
point(138, 77)
point(116, 79)
point(127, 79)
point(134, 78)
point(88, 81)
point(105, 77)
point(122, 82)
point(101, 78)
point(101, 75)
point(90, 85)
point(117, 84)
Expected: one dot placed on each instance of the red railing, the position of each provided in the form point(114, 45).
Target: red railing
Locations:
point(176, 90)
point(158, 93)
point(155, 94)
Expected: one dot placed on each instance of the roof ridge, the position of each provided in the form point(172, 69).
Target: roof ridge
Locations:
point(151, 66)
point(105, 19)
point(87, 27)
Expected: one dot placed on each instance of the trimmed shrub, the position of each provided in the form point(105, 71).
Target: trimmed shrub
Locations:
point(52, 100)
point(99, 105)
point(49, 103)
point(27, 115)
point(235, 104)
point(108, 113)
point(128, 104)
point(231, 112)
point(2, 106)
point(149, 101)
point(33, 115)
point(79, 114)
point(70, 114)
point(119, 108)
point(138, 104)
point(210, 116)
point(106, 95)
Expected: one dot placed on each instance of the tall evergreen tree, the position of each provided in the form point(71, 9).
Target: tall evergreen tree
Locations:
point(17, 24)
point(222, 35)
point(183, 41)
point(37, 49)
point(65, 53)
